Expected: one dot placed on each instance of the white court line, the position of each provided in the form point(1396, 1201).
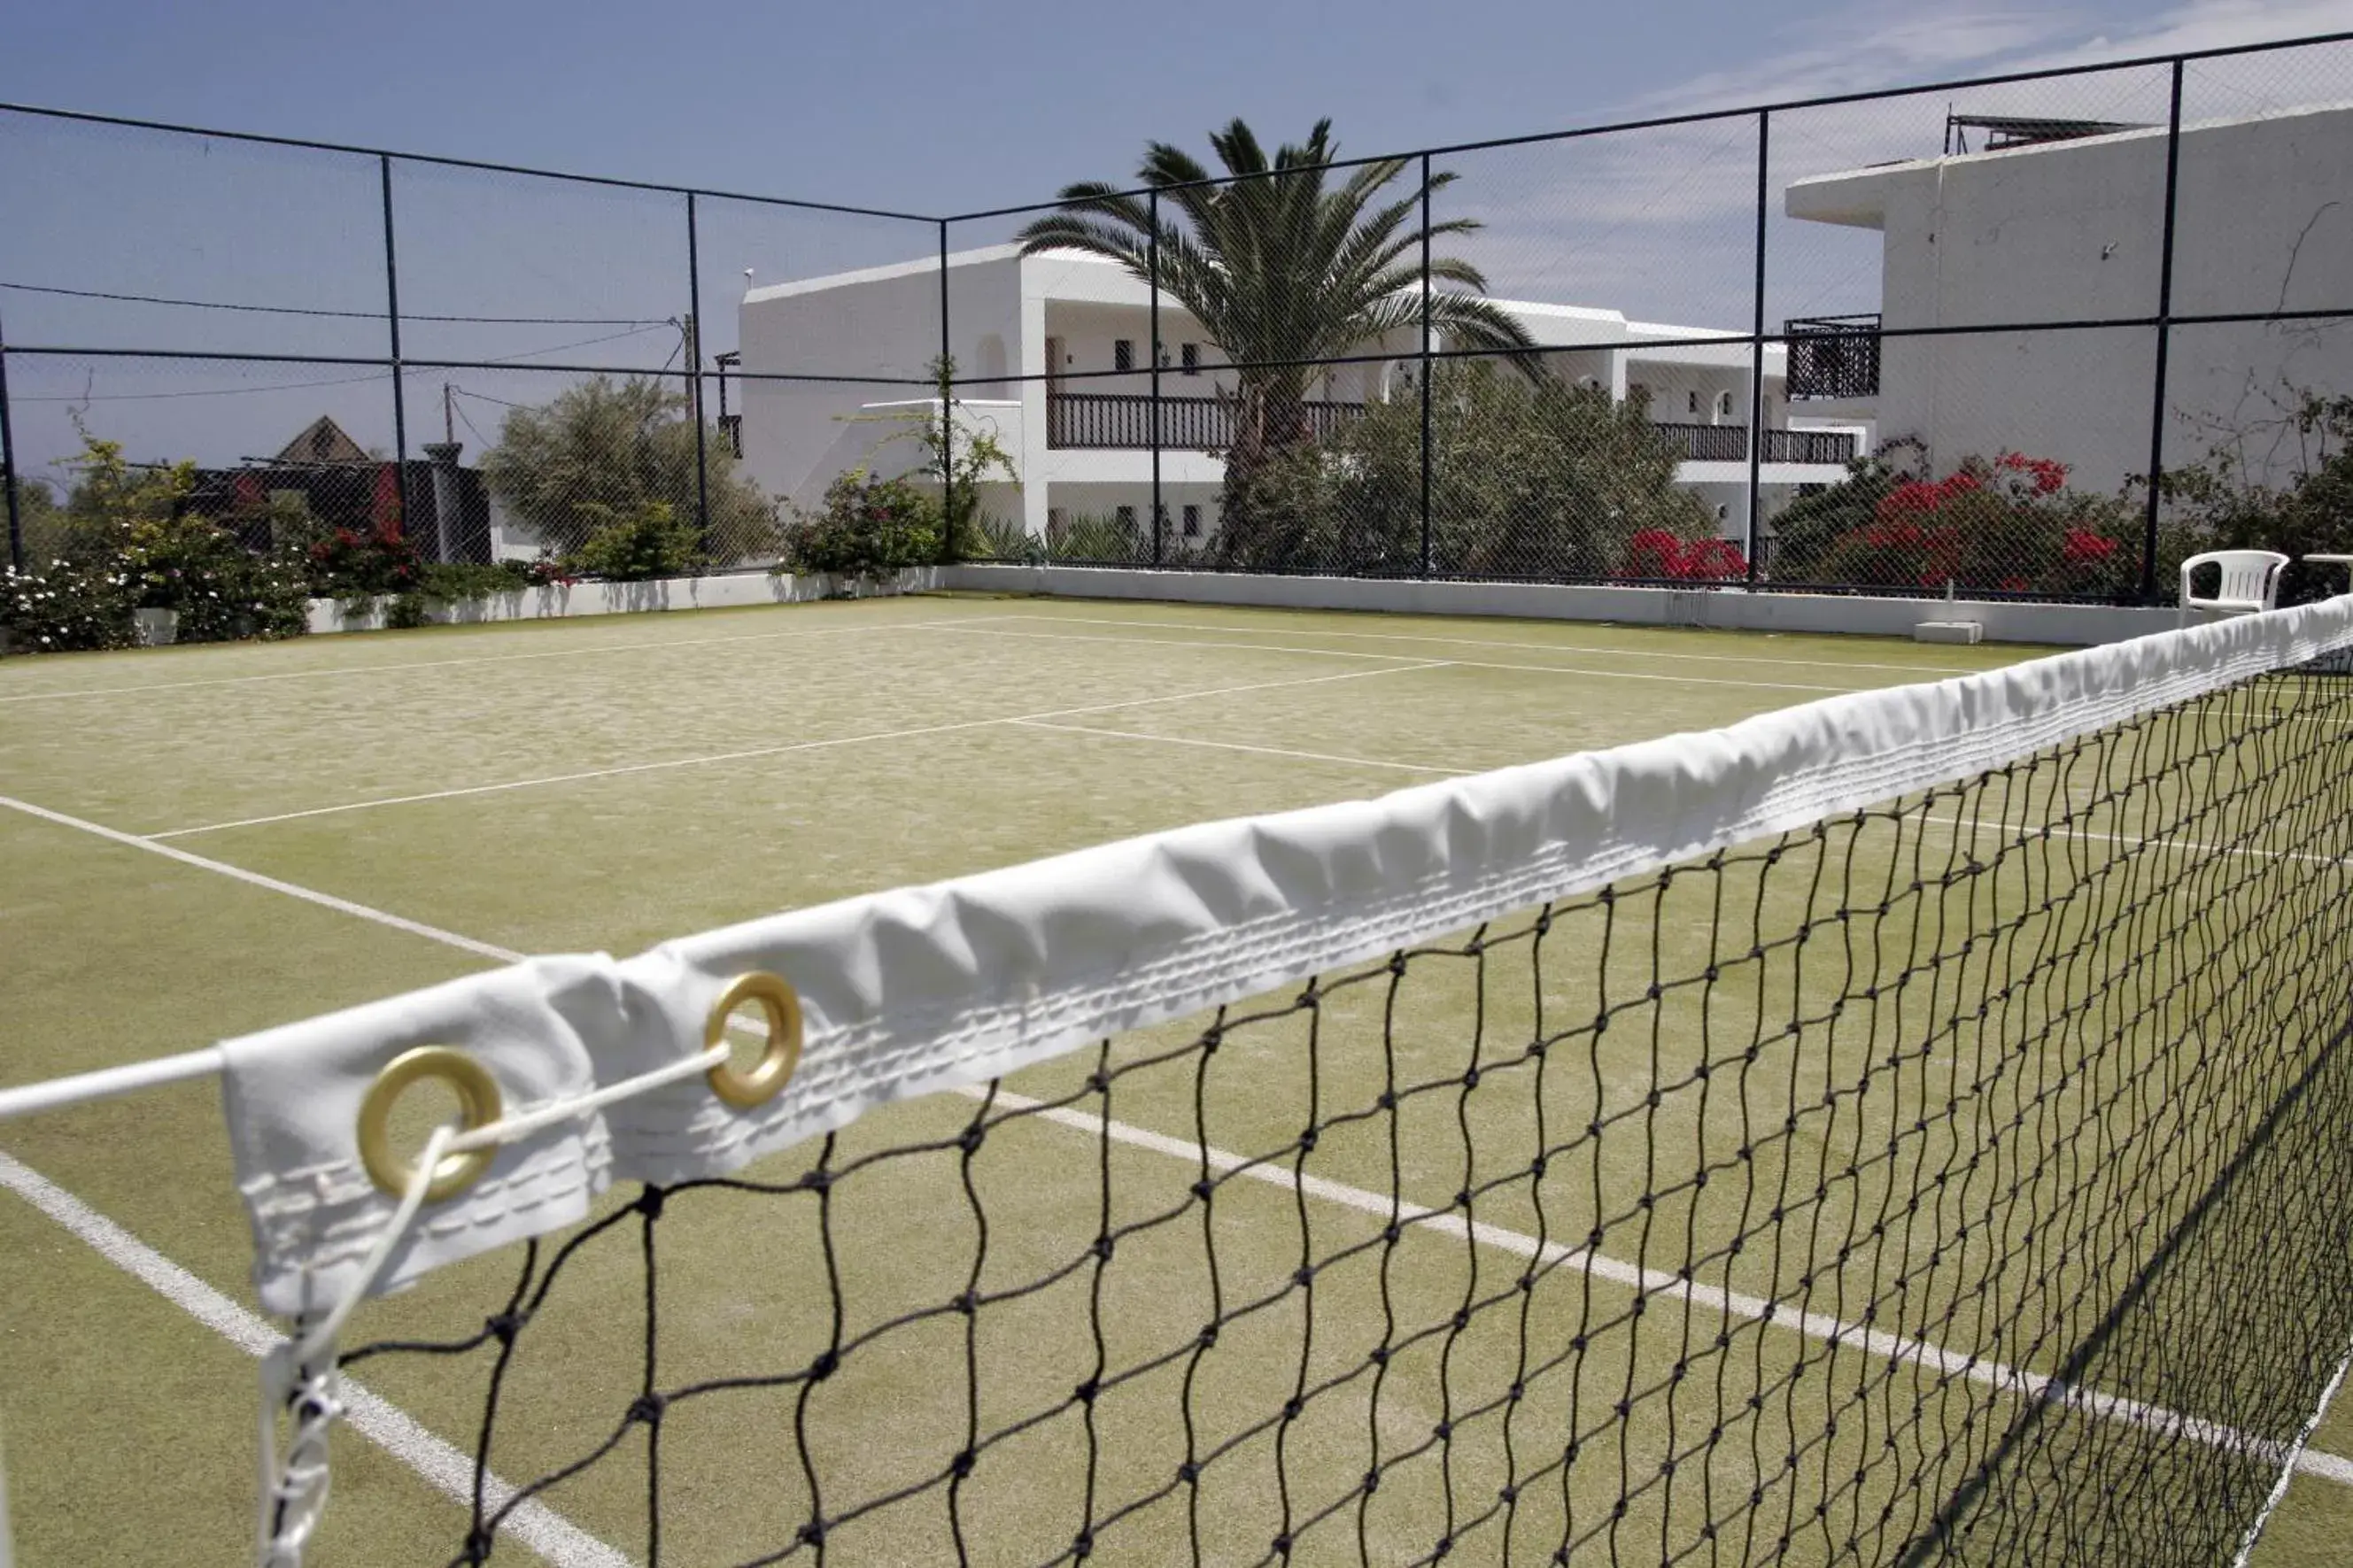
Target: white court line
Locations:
point(979, 628)
point(757, 751)
point(443, 1467)
point(1240, 746)
point(479, 658)
point(1523, 646)
point(2023, 833)
point(1813, 1325)
point(292, 890)
point(1652, 1282)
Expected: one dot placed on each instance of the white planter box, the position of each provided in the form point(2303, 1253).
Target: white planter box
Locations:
point(155, 628)
point(624, 598)
point(1728, 607)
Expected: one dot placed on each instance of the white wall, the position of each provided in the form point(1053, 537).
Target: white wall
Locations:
point(884, 323)
point(1730, 607)
point(2075, 230)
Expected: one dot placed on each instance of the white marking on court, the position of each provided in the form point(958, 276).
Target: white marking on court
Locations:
point(1813, 1325)
point(789, 747)
point(1523, 646)
point(2297, 1453)
point(975, 626)
point(443, 1467)
point(478, 658)
point(292, 890)
point(2023, 833)
point(1820, 1327)
point(1240, 746)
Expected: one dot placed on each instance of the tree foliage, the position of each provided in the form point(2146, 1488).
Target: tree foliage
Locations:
point(1287, 262)
point(1528, 478)
point(607, 448)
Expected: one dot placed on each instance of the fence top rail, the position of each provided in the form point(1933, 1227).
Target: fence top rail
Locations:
point(1696, 117)
point(42, 111)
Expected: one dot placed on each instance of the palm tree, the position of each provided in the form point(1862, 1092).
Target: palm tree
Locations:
point(1281, 271)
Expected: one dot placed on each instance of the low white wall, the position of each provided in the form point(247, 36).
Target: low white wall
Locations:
point(624, 598)
point(1730, 608)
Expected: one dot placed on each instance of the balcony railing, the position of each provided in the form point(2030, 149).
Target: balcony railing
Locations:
point(1833, 356)
point(1124, 420)
point(1099, 420)
point(1729, 444)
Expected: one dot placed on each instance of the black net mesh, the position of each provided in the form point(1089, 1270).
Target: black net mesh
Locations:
point(1959, 1180)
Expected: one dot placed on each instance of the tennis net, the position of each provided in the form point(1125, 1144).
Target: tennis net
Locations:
point(1905, 1129)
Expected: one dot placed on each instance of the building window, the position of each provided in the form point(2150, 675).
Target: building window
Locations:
point(1192, 515)
point(1190, 357)
point(1724, 405)
point(1690, 402)
point(1723, 514)
point(1123, 353)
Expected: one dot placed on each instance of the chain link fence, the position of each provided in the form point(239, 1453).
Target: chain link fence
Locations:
point(2039, 336)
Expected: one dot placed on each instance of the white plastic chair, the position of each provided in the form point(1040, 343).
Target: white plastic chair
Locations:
point(2250, 582)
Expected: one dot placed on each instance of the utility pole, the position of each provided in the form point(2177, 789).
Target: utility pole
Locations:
point(449, 415)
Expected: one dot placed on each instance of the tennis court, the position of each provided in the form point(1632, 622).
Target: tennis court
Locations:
point(201, 843)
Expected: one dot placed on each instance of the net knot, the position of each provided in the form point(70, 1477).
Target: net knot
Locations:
point(969, 1139)
point(825, 1366)
point(1086, 1391)
point(961, 1465)
point(504, 1326)
point(1372, 1482)
point(1188, 1472)
point(649, 1203)
point(1292, 1406)
point(648, 1408)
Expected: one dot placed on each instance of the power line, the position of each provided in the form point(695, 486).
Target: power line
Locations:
point(340, 315)
point(339, 381)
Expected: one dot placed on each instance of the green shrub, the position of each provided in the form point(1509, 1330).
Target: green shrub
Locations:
point(68, 606)
point(868, 527)
point(638, 544)
point(987, 537)
point(472, 579)
point(220, 590)
point(404, 611)
point(2216, 504)
point(1095, 538)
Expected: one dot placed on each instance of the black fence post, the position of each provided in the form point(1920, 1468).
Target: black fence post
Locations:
point(9, 465)
point(945, 387)
point(694, 381)
point(1423, 378)
point(1749, 535)
point(1152, 252)
point(392, 318)
point(2164, 341)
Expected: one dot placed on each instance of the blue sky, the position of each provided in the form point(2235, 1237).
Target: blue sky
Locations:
point(931, 106)
point(920, 106)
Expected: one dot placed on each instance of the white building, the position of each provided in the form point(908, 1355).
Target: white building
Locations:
point(1071, 334)
point(2073, 228)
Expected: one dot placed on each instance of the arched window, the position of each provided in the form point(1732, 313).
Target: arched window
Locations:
point(1724, 405)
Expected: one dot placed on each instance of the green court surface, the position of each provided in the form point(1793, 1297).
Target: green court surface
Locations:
point(606, 784)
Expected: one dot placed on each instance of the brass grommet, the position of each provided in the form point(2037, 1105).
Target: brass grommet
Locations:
point(478, 1102)
point(774, 1068)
